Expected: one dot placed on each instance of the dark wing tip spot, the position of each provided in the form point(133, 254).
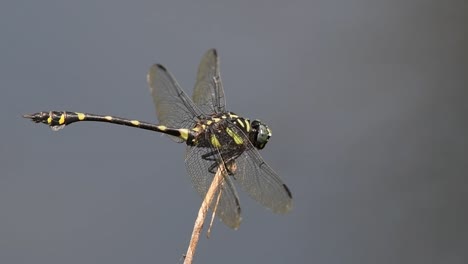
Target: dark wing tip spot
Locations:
point(238, 206)
point(215, 52)
point(161, 67)
point(287, 190)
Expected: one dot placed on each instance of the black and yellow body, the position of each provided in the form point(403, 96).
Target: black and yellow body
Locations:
point(206, 133)
point(215, 138)
point(59, 119)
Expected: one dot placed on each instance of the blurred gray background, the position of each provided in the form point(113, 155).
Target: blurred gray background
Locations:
point(366, 99)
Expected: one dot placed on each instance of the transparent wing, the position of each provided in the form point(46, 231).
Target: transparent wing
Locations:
point(228, 208)
point(259, 180)
point(174, 108)
point(208, 93)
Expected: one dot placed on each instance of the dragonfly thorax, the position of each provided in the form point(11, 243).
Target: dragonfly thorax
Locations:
point(229, 128)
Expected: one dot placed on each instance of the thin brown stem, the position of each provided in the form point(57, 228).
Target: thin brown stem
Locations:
point(198, 226)
point(208, 233)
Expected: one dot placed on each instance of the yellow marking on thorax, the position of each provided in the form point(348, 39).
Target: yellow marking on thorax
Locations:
point(62, 119)
point(247, 124)
point(237, 139)
point(81, 116)
point(240, 122)
point(135, 122)
point(108, 118)
point(209, 122)
point(216, 119)
point(199, 127)
point(233, 116)
point(214, 141)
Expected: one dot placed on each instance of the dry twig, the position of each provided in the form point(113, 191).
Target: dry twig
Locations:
point(198, 226)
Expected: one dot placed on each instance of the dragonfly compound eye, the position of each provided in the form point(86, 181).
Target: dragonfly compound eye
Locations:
point(261, 134)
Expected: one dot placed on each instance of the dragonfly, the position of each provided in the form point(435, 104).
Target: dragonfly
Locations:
point(214, 137)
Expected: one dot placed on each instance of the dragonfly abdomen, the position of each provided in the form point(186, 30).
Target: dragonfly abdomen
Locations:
point(59, 119)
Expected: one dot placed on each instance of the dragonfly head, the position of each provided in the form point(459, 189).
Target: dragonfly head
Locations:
point(260, 134)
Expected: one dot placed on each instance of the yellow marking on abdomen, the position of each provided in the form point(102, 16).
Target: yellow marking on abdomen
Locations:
point(81, 116)
point(49, 120)
point(237, 139)
point(135, 122)
point(214, 141)
point(184, 133)
point(162, 128)
point(240, 122)
point(233, 116)
point(108, 118)
point(62, 119)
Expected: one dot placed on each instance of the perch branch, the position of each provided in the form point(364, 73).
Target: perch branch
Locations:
point(198, 226)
